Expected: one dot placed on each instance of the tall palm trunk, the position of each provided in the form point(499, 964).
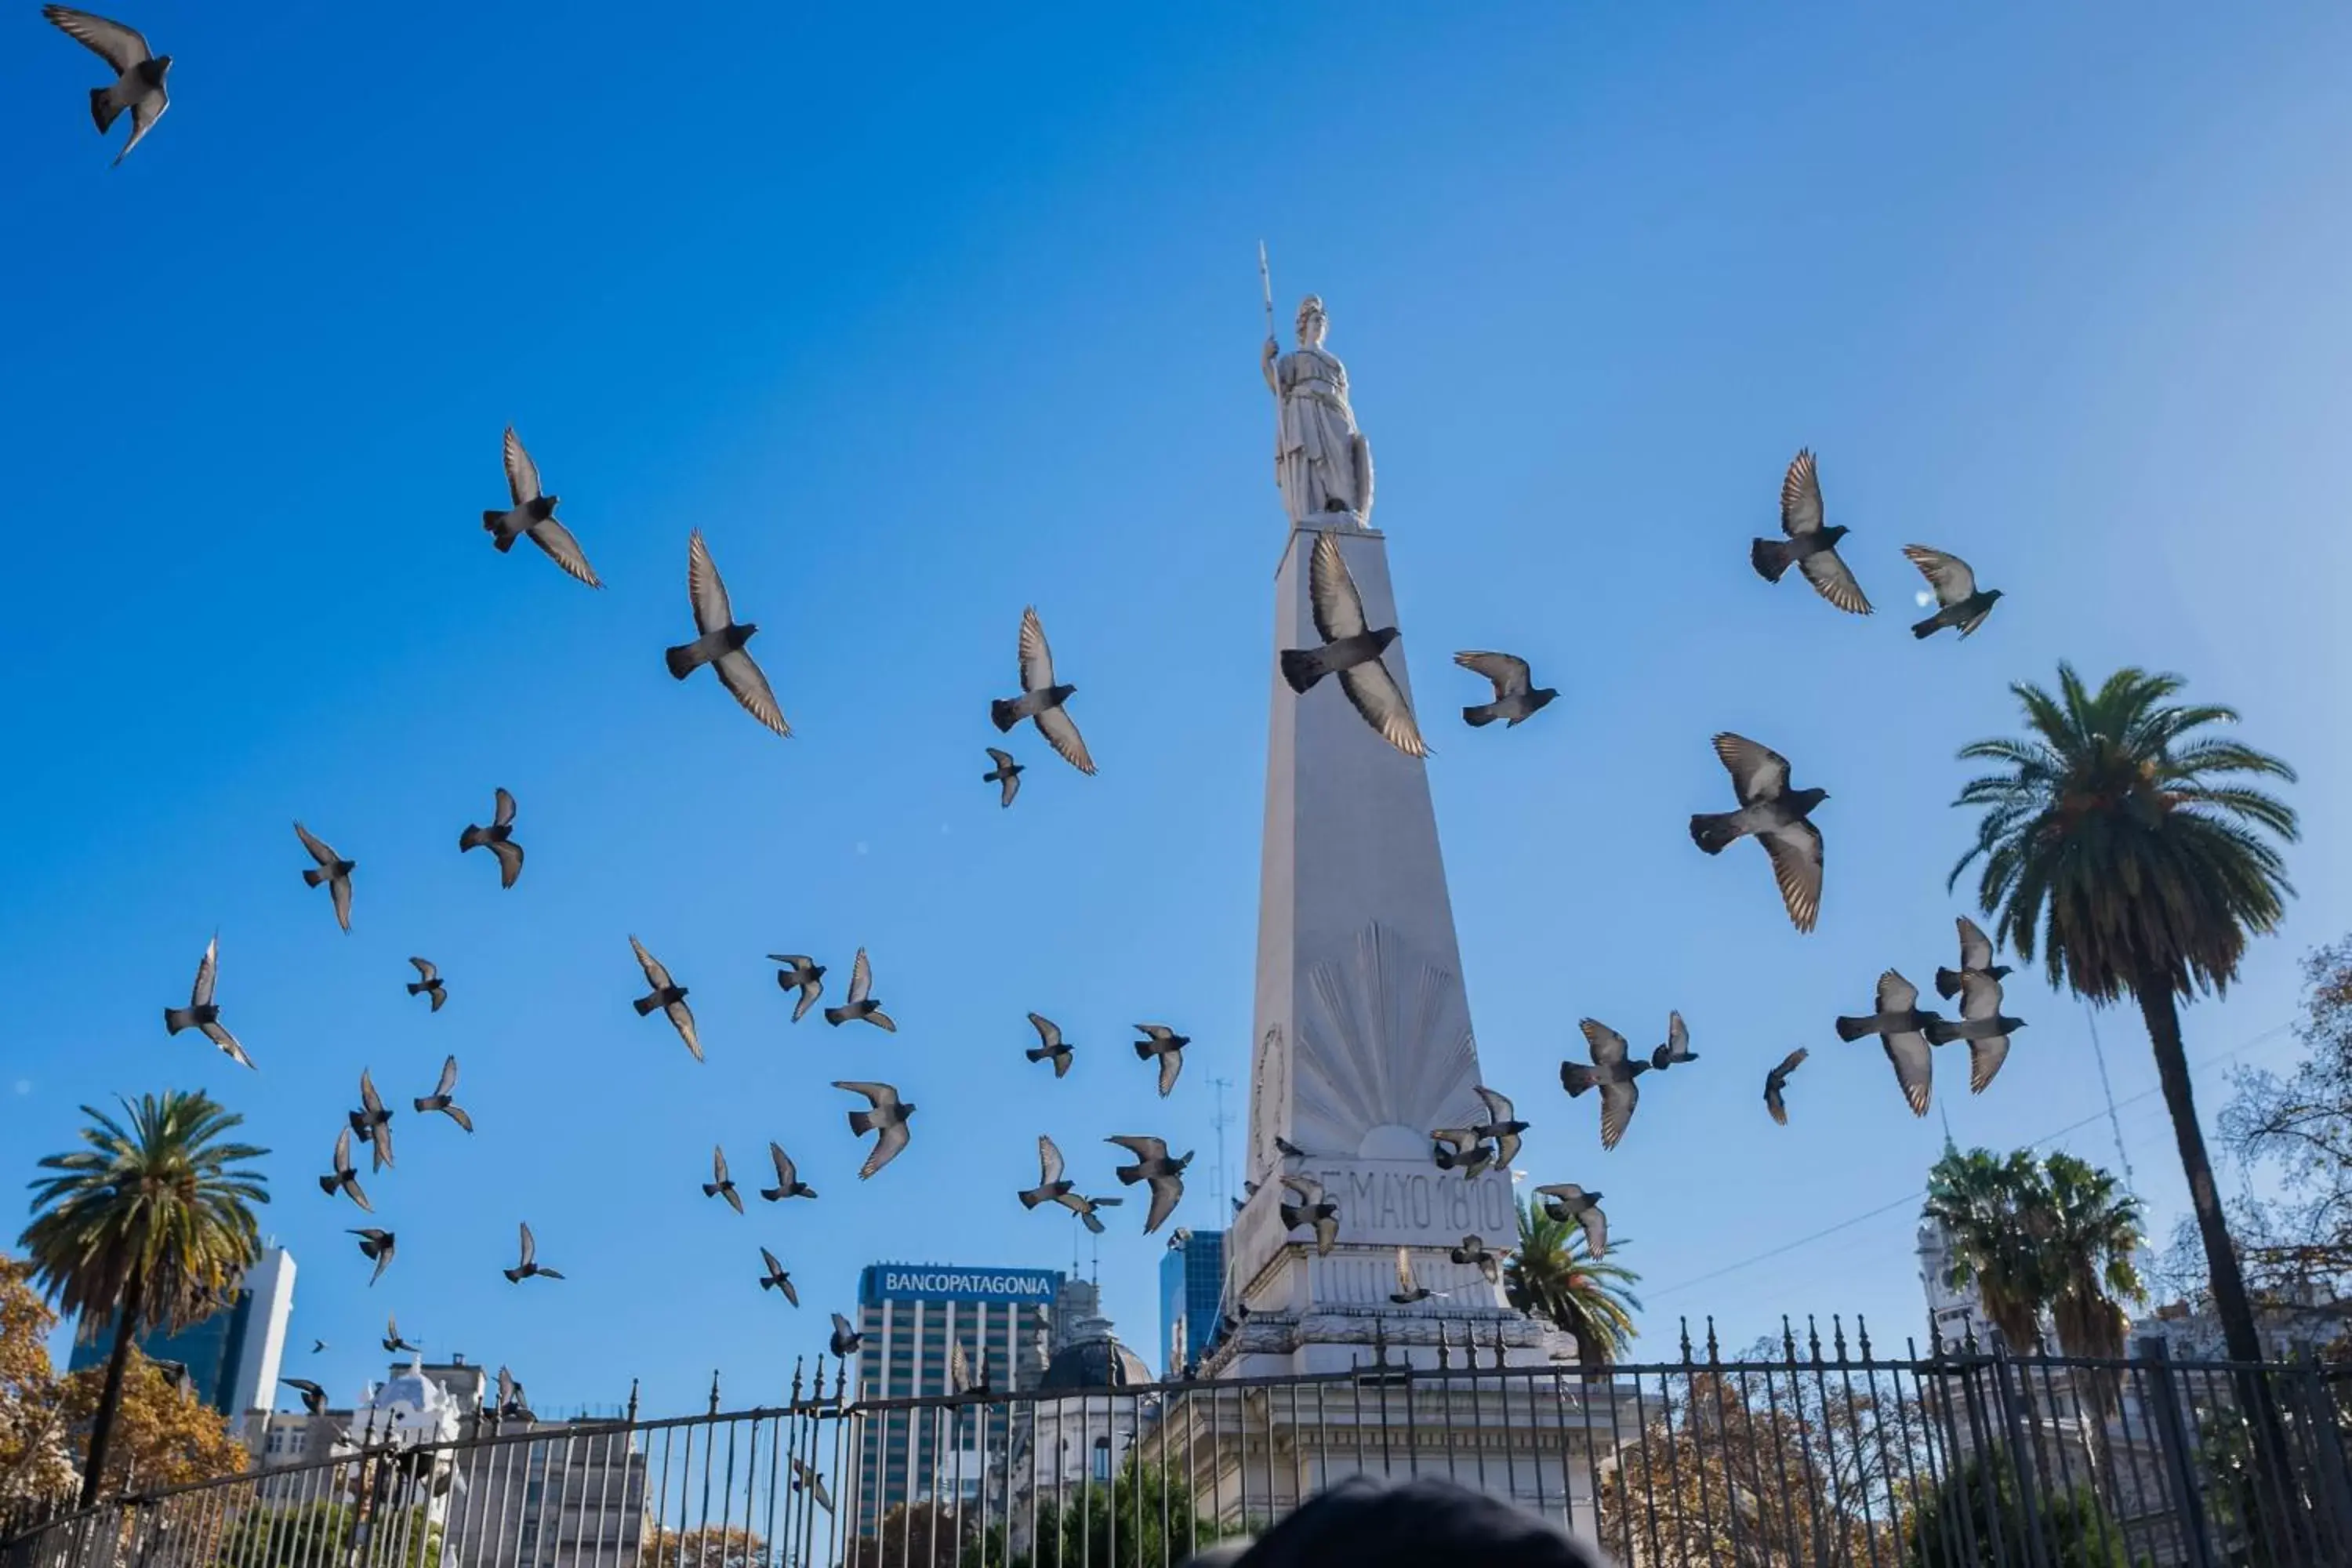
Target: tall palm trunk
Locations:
point(2230, 1302)
point(109, 1398)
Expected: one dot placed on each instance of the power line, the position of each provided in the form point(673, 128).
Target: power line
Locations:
point(2108, 1114)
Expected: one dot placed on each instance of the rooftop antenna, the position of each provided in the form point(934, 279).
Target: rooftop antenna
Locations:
point(1218, 1179)
point(2114, 1122)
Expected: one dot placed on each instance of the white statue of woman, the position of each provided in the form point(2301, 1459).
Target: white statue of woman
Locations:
point(1320, 460)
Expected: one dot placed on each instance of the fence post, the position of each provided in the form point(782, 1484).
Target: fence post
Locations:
point(2179, 1461)
point(2330, 1477)
point(2025, 1461)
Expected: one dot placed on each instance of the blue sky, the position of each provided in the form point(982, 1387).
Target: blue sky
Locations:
point(926, 315)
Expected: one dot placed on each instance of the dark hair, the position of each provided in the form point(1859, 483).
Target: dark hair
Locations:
point(1425, 1523)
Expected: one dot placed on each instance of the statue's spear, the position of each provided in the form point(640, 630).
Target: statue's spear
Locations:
point(1265, 282)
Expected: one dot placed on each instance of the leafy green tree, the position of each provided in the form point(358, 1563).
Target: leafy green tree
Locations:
point(150, 1224)
point(2122, 839)
point(1554, 1276)
point(1978, 1519)
point(1980, 1198)
point(318, 1534)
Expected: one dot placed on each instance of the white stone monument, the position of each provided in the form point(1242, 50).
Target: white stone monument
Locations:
point(1363, 1037)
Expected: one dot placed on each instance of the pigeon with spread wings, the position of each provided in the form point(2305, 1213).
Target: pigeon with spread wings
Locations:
point(861, 1007)
point(1317, 1212)
point(1676, 1049)
point(428, 983)
point(1351, 649)
point(202, 1012)
point(533, 516)
point(1960, 602)
point(845, 1339)
point(1051, 1182)
point(1568, 1204)
point(802, 973)
point(138, 84)
point(1614, 1069)
point(1474, 1253)
point(393, 1343)
point(1050, 1046)
point(1409, 1289)
point(346, 1178)
point(1005, 773)
point(373, 1121)
point(886, 1120)
point(1975, 958)
point(1982, 1025)
point(788, 1178)
point(667, 996)
point(1516, 696)
point(332, 869)
point(1159, 1040)
point(314, 1398)
point(498, 838)
point(721, 1185)
point(775, 1279)
point(722, 642)
point(1041, 701)
point(529, 1264)
point(1153, 1168)
point(805, 1477)
point(444, 1097)
point(377, 1245)
point(1780, 819)
point(1811, 548)
point(1502, 1125)
point(1778, 1079)
point(1901, 1027)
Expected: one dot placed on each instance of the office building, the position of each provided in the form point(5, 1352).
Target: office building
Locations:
point(1191, 1297)
point(910, 1313)
point(232, 1357)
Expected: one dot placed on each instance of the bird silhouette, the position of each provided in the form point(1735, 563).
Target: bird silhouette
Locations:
point(667, 994)
point(1351, 648)
point(886, 1120)
point(333, 870)
point(1516, 697)
point(788, 1180)
point(1780, 819)
point(1050, 1046)
point(721, 1185)
point(1811, 548)
point(202, 1012)
point(1006, 773)
point(443, 1097)
point(529, 1265)
point(1901, 1027)
point(720, 643)
point(1613, 1072)
point(859, 1005)
point(1777, 1079)
point(1041, 701)
point(498, 838)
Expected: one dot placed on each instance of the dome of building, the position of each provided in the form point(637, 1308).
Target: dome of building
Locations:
point(1094, 1359)
point(412, 1404)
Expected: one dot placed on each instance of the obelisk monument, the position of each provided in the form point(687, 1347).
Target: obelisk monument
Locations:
point(1362, 1030)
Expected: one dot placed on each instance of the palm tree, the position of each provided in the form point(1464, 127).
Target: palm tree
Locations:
point(1980, 1199)
point(1554, 1276)
point(2124, 838)
point(151, 1225)
point(2087, 1229)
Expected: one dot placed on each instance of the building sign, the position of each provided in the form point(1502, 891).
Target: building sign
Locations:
point(941, 1282)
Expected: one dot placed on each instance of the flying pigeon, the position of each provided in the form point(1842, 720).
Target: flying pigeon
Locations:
point(1041, 701)
point(1083, 1207)
point(533, 514)
point(512, 1404)
point(529, 1265)
point(1051, 1182)
point(1778, 1079)
point(787, 1180)
point(805, 1479)
point(1975, 958)
point(721, 646)
point(1409, 1290)
point(332, 869)
point(959, 1377)
point(1155, 1168)
point(1778, 815)
point(498, 838)
point(1899, 1024)
point(1463, 1149)
point(1318, 1211)
point(775, 1279)
point(1474, 1253)
point(845, 1339)
point(1677, 1050)
point(861, 1004)
point(444, 1097)
point(1811, 548)
point(886, 1120)
point(1612, 1071)
point(376, 1246)
point(314, 1398)
point(140, 72)
point(1159, 1040)
point(1351, 648)
point(802, 973)
point(1006, 773)
point(428, 983)
point(1961, 603)
point(373, 1121)
point(393, 1343)
point(721, 1185)
point(345, 1179)
point(202, 1012)
point(667, 994)
point(317, 1345)
point(1502, 1124)
point(1516, 697)
point(1982, 1025)
point(1568, 1204)
point(1049, 1045)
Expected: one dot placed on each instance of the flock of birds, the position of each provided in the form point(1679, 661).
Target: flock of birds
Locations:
point(1769, 809)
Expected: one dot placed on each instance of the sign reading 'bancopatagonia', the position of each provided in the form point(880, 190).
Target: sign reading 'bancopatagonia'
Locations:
point(939, 1282)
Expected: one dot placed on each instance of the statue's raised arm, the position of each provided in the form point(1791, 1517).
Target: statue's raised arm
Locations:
point(1321, 461)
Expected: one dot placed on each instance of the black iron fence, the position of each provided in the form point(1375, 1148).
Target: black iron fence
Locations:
point(1799, 1452)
